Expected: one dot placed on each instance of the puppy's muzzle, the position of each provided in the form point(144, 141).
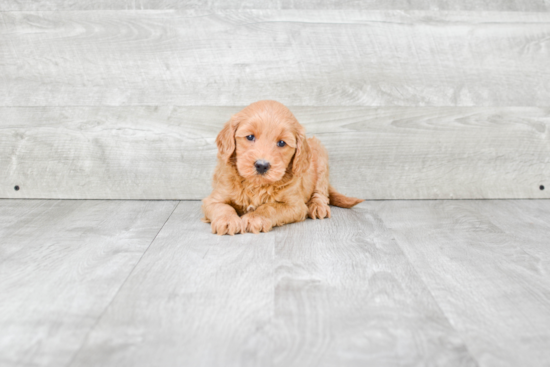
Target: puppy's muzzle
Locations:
point(262, 166)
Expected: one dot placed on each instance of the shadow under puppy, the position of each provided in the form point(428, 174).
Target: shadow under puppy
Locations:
point(268, 173)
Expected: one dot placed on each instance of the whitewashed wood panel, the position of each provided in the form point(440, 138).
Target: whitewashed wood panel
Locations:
point(350, 290)
point(195, 299)
point(299, 57)
point(331, 293)
point(61, 264)
point(499, 5)
point(347, 296)
point(487, 265)
point(376, 153)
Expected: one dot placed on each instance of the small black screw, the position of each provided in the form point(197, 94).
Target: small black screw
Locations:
point(541, 187)
point(16, 188)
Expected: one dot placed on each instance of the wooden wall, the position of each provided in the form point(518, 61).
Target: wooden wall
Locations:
point(413, 99)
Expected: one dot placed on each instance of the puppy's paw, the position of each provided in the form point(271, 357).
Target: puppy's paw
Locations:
point(227, 224)
point(317, 209)
point(256, 223)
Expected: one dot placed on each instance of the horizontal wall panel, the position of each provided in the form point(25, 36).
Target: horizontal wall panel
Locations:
point(499, 5)
point(299, 57)
point(169, 152)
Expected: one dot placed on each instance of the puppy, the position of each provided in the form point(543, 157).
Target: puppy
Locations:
point(268, 173)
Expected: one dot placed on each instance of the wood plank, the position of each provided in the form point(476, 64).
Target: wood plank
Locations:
point(309, 294)
point(299, 57)
point(109, 153)
point(61, 264)
point(347, 296)
point(195, 299)
point(487, 265)
point(168, 152)
point(483, 5)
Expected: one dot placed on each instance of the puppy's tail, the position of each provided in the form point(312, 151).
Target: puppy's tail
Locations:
point(343, 201)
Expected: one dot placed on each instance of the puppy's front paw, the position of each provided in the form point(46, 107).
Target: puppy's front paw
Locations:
point(255, 223)
point(227, 224)
point(319, 210)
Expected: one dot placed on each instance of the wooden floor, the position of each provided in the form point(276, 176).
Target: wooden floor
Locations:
point(144, 283)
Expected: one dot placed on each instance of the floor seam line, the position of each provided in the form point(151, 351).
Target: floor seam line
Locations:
point(71, 361)
point(458, 333)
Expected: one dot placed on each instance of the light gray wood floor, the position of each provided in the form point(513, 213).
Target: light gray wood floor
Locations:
point(144, 283)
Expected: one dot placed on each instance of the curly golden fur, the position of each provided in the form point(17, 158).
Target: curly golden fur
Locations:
point(247, 197)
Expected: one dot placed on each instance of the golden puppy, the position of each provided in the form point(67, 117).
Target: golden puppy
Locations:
point(268, 173)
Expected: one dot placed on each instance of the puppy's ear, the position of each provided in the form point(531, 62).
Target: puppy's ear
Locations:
point(302, 156)
point(226, 139)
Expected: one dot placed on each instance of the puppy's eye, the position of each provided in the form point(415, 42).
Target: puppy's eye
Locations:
point(250, 137)
point(281, 143)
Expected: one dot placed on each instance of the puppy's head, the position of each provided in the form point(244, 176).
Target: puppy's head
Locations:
point(267, 141)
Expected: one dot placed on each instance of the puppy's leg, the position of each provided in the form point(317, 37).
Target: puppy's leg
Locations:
point(223, 217)
point(271, 215)
point(318, 203)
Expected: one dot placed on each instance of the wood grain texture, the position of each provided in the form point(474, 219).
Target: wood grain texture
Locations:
point(376, 153)
point(487, 264)
point(61, 263)
point(347, 296)
point(480, 5)
point(196, 299)
point(388, 283)
point(299, 57)
point(302, 295)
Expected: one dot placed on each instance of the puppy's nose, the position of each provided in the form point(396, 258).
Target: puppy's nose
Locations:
point(261, 166)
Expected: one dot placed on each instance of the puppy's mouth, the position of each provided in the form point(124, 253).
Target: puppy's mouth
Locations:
point(259, 171)
point(263, 171)
point(263, 178)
